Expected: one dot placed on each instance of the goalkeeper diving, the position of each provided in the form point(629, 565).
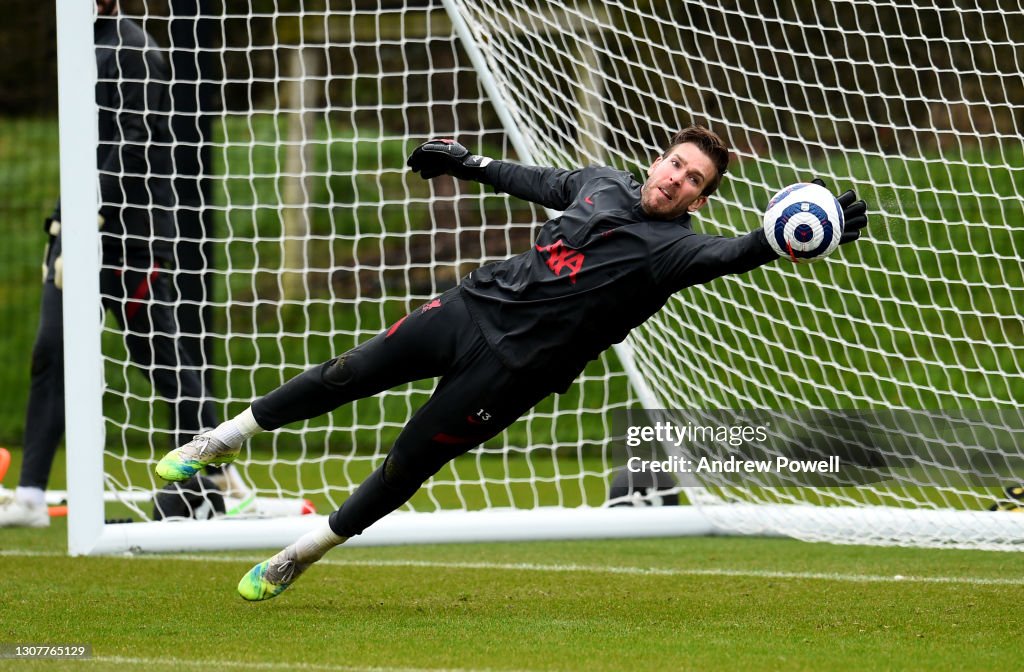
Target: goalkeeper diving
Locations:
point(512, 332)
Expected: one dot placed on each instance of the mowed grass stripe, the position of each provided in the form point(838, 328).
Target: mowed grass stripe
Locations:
point(590, 569)
point(214, 664)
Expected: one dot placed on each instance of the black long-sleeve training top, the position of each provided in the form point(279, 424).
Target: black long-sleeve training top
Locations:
point(600, 269)
point(134, 150)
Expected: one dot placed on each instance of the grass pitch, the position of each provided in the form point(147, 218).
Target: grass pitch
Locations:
point(703, 603)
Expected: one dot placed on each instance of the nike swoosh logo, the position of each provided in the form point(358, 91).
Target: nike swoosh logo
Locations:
point(587, 200)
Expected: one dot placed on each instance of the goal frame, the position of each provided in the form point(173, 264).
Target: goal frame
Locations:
point(83, 373)
point(89, 533)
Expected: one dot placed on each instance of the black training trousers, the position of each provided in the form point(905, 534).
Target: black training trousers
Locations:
point(139, 294)
point(476, 398)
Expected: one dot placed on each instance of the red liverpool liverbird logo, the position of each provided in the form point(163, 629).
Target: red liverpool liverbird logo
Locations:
point(560, 258)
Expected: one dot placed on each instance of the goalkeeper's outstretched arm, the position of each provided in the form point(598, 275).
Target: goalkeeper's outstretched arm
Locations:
point(699, 258)
point(554, 188)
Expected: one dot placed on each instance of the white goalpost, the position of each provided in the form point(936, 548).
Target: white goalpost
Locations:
point(900, 355)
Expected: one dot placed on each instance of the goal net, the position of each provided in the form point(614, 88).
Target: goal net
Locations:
point(900, 355)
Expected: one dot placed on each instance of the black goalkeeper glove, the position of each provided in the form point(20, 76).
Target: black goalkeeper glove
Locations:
point(447, 157)
point(855, 213)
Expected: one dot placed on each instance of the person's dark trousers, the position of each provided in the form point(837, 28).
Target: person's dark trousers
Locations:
point(139, 294)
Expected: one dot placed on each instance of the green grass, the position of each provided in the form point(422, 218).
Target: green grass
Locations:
point(702, 604)
point(28, 191)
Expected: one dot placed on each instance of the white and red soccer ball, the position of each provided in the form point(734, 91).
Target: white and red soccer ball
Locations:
point(804, 222)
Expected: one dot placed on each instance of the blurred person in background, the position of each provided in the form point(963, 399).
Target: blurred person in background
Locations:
point(137, 230)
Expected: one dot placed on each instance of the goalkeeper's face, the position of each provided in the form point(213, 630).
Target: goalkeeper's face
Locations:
point(675, 182)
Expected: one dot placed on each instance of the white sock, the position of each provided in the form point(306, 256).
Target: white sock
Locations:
point(311, 546)
point(238, 429)
point(30, 496)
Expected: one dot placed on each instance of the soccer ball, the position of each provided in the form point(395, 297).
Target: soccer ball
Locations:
point(803, 222)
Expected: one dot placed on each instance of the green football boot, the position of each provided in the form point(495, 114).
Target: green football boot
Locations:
point(271, 577)
point(183, 463)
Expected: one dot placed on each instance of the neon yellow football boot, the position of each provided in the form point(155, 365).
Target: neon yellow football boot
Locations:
point(271, 577)
point(183, 463)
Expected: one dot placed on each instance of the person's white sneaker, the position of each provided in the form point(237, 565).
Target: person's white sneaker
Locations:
point(15, 513)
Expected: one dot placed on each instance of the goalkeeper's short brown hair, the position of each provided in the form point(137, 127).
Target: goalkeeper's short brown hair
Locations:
point(711, 144)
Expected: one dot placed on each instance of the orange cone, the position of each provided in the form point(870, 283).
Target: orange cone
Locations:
point(5, 462)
